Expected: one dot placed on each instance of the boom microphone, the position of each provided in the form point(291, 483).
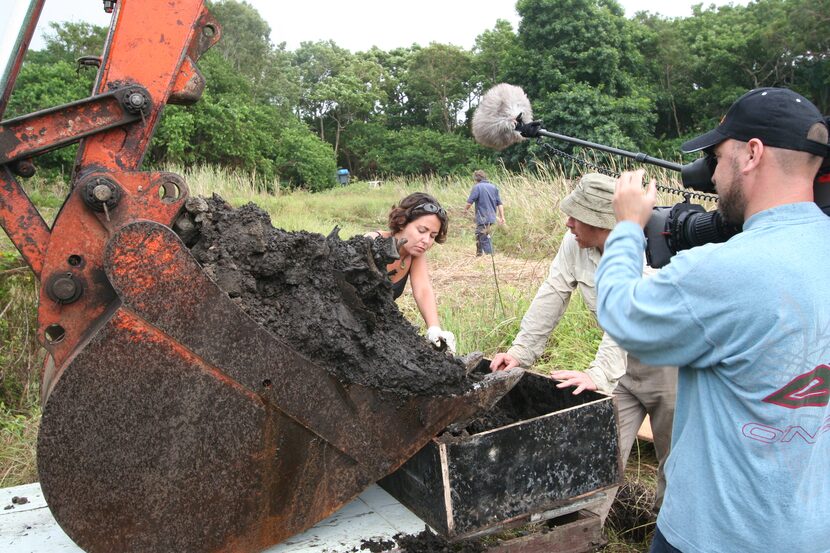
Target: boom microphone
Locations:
point(504, 117)
point(495, 118)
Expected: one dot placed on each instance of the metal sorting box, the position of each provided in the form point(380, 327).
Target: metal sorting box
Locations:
point(561, 448)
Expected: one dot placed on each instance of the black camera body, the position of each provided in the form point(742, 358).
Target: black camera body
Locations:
point(686, 225)
point(683, 226)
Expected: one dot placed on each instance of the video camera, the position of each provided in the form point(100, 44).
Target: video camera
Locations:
point(684, 225)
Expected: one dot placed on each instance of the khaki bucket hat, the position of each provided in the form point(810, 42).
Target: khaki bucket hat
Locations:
point(590, 201)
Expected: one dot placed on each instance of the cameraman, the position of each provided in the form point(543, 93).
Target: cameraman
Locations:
point(747, 321)
point(638, 389)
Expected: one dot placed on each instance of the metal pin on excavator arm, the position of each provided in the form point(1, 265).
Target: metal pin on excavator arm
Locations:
point(171, 421)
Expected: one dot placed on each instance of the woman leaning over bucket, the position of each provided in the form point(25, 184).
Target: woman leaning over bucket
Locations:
point(416, 223)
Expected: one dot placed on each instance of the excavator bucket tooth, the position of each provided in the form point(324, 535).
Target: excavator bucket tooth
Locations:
point(182, 425)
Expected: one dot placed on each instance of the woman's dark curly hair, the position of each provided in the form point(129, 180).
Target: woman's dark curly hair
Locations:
point(415, 206)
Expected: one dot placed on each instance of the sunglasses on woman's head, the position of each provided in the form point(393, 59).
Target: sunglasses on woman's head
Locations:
point(430, 207)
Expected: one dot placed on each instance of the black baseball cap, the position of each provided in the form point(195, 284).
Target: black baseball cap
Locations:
point(778, 117)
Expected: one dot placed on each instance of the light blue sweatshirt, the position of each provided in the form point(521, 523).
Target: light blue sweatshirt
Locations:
point(748, 321)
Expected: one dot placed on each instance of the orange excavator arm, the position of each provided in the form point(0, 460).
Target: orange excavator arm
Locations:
point(158, 433)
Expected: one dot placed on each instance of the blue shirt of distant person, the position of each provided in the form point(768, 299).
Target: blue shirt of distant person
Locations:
point(489, 210)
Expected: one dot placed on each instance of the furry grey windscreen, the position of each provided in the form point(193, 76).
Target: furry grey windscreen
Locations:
point(494, 121)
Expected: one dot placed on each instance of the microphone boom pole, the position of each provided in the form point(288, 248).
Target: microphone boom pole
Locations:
point(532, 130)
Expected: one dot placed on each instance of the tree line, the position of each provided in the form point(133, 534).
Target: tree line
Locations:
point(644, 83)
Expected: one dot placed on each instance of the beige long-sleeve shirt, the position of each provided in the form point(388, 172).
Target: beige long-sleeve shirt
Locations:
point(572, 268)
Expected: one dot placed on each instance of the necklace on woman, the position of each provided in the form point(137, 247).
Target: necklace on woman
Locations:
point(403, 262)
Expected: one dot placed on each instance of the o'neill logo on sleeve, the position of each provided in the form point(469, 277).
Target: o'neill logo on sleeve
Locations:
point(810, 389)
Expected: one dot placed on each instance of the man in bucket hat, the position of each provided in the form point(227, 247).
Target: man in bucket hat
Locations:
point(747, 322)
point(639, 389)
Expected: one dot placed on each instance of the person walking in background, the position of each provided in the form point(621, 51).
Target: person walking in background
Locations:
point(488, 209)
point(746, 320)
point(638, 388)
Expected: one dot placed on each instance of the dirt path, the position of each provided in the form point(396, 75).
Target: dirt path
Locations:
point(462, 269)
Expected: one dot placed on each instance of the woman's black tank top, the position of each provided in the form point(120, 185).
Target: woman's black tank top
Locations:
point(398, 287)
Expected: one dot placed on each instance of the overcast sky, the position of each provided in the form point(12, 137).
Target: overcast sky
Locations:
point(360, 24)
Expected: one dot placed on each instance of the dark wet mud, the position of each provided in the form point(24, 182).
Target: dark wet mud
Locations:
point(429, 542)
point(327, 298)
point(376, 546)
point(423, 542)
point(496, 417)
point(529, 399)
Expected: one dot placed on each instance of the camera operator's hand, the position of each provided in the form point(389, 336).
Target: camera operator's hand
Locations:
point(630, 202)
point(578, 379)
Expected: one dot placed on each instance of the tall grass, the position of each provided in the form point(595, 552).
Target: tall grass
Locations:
point(21, 357)
point(18, 437)
point(20, 361)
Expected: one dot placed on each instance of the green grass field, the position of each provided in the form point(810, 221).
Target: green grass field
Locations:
point(480, 299)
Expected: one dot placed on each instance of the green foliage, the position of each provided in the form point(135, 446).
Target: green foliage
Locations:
point(305, 160)
point(318, 63)
point(699, 65)
point(582, 71)
point(374, 150)
point(492, 53)
point(348, 95)
point(69, 41)
point(229, 128)
point(439, 78)
point(399, 109)
point(247, 49)
point(592, 44)
point(811, 54)
point(172, 140)
point(587, 112)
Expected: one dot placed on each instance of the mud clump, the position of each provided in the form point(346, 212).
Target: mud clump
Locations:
point(376, 546)
point(496, 417)
point(501, 414)
point(424, 542)
point(429, 542)
point(326, 298)
point(16, 500)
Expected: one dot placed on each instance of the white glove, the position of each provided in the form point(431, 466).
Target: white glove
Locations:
point(436, 335)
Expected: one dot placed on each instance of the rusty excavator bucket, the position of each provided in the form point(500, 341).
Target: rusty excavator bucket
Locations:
point(172, 421)
point(182, 425)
